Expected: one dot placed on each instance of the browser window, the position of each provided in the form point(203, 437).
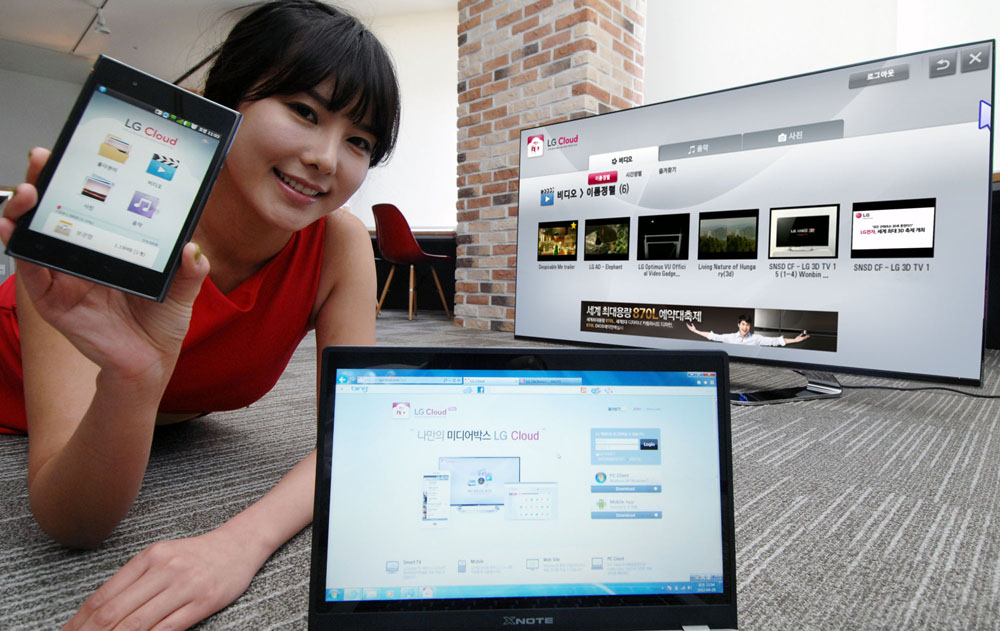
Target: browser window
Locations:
point(483, 484)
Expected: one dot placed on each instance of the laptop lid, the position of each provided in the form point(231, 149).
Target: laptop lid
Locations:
point(501, 488)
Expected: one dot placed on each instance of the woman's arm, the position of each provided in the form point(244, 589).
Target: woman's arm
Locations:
point(175, 584)
point(95, 362)
point(193, 578)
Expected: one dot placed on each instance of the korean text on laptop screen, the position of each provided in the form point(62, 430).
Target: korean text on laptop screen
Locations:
point(459, 484)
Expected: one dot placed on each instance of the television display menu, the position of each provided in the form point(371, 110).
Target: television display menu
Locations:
point(698, 214)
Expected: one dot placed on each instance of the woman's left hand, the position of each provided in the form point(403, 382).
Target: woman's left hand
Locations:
point(171, 585)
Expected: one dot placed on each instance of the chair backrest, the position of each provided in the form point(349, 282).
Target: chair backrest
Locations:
point(394, 237)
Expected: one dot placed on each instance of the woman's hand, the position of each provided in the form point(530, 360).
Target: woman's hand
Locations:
point(171, 585)
point(174, 584)
point(25, 195)
point(133, 336)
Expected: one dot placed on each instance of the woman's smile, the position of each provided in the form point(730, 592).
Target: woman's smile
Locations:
point(303, 188)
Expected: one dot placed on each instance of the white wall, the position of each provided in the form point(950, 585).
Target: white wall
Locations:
point(693, 46)
point(420, 176)
point(34, 110)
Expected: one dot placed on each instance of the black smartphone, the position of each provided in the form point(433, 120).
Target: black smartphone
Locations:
point(127, 180)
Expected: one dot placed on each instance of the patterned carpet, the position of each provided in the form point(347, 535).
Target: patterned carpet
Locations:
point(873, 511)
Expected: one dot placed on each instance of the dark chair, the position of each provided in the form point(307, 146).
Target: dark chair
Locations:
point(398, 246)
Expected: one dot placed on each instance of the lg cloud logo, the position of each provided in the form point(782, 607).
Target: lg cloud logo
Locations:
point(536, 146)
point(400, 410)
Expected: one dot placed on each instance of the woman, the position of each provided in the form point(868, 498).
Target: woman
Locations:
point(320, 105)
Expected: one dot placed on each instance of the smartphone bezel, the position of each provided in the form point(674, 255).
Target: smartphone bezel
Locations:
point(35, 247)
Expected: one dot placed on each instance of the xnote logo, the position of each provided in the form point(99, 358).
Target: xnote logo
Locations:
point(510, 621)
point(536, 145)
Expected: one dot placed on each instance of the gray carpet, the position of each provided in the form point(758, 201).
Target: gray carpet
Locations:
point(877, 510)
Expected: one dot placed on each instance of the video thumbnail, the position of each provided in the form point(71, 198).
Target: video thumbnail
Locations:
point(728, 234)
point(557, 240)
point(664, 237)
point(893, 229)
point(804, 232)
point(606, 239)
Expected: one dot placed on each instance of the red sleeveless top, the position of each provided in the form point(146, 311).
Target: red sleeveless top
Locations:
point(236, 348)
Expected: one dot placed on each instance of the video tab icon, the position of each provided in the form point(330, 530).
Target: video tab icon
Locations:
point(163, 167)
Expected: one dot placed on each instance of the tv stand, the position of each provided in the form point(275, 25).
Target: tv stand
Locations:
point(819, 385)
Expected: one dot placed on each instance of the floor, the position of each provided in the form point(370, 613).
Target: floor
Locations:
point(433, 328)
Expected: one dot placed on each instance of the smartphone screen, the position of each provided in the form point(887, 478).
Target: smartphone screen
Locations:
point(127, 180)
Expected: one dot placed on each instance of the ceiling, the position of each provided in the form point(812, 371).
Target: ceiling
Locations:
point(58, 39)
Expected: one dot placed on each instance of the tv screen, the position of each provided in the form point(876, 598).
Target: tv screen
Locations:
point(703, 212)
point(803, 232)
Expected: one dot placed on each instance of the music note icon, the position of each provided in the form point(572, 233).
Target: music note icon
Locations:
point(143, 204)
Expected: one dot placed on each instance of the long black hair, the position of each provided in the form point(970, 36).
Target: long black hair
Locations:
point(290, 46)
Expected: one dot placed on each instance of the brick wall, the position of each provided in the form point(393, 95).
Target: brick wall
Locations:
point(525, 64)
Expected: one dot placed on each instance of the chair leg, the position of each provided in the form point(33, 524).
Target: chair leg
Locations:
point(444, 303)
point(412, 293)
point(385, 290)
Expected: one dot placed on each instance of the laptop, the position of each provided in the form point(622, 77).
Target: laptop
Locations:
point(521, 487)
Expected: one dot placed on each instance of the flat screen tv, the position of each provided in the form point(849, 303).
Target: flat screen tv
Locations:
point(842, 214)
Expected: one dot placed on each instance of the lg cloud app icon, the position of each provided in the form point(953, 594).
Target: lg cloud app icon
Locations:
point(536, 146)
point(400, 410)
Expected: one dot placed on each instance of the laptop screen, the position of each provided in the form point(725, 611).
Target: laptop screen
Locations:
point(457, 486)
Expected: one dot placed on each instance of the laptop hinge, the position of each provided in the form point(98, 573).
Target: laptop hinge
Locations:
point(696, 627)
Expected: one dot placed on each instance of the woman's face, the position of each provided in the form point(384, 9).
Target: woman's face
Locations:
point(294, 161)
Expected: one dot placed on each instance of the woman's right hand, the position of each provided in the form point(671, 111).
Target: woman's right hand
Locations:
point(132, 336)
